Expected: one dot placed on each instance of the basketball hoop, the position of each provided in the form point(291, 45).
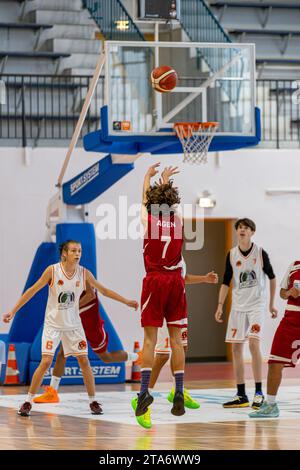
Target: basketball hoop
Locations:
point(195, 138)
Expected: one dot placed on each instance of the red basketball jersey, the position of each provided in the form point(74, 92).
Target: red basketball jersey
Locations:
point(163, 243)
point(294, 281)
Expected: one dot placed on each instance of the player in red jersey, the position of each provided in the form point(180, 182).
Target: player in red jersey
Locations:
point(285, 351)
point(163, 292)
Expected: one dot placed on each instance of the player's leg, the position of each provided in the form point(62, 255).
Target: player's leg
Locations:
point(178, 365)
point(255, 320)
point(50, 395)
point(159, 361)
point(89, 382)
point(74, 344)
point(144, 398)
point(50, 342)
point(269, 408)
point(189, 401)
point(236, 334)
point(35, 384)
point(254, 346)
point(282, 354)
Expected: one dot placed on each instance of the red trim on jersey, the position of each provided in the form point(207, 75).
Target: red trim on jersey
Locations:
point(69, 278)
point(52, 280)
point(245, 257)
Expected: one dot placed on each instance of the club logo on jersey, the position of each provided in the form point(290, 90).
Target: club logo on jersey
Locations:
point(77, 283)
point(238, 263)
point(60, 282)
point(82, 345)
point(247, 279)
point(254, 260)
point(66, 300)
point(255, 328)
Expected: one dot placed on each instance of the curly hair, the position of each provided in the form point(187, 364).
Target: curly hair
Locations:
point(162, 196)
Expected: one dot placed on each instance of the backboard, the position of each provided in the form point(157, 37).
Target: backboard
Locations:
point(216, 82)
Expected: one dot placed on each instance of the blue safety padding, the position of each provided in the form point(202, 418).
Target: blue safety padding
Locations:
point(92, 182)
point(103, 373)
point(100, 141)
point(29, 318)
point(85, 234)
point(22, 356)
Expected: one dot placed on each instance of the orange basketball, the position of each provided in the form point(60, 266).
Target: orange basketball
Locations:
point(163, 78)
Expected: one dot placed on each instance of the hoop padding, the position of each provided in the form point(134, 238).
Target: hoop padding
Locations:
point(195, 138)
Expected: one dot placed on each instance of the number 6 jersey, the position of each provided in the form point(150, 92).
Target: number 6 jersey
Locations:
point(62, 311)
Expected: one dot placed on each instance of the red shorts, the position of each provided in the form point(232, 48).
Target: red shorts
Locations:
point(286, 342)
point(163, 296)
point(93, 326)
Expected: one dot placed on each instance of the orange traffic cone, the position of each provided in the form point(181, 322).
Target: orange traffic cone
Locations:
point(136, 367)
point(12, 373)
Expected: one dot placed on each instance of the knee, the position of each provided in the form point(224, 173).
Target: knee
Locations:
point(254, 345)
point(237, 349)
point(149, 342)
point(162, 358)
point(46, 362)
point(105, 357)
point(83, 362)
point(175, 342)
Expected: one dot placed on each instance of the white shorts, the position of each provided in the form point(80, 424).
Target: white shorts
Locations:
point(163, 340)
point(244, 325)
point(73, 341)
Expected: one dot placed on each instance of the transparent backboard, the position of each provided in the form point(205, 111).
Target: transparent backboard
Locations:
point(216, 82)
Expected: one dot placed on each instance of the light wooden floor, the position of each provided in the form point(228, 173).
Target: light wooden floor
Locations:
point(50, 431)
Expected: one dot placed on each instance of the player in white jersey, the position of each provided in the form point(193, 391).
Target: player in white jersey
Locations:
point(248, 265)
point(67, 281)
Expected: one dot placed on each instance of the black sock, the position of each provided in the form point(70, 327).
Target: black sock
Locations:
point(258, 388)
point(241, 390)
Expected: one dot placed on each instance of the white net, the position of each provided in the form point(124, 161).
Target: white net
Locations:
point(195, 138)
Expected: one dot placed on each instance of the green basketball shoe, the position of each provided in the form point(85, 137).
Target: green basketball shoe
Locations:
point(145, 419)
point(189, 402)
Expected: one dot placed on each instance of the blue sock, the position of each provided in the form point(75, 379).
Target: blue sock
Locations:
point(145, 373)
point(179, 381)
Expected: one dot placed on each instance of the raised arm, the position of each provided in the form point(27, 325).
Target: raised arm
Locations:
point(109, 293)
point(167, 173)
point(152, 171)
point(45, 279)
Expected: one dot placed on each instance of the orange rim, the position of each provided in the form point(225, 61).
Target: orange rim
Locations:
point(187, 128)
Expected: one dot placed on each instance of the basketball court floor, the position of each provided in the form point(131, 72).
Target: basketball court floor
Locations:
point(69, 425)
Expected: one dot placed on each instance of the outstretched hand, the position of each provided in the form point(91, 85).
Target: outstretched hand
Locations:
point(168, 172)
point(7, 317)
point(132, 303)
point(153, 170)
point(212, 278)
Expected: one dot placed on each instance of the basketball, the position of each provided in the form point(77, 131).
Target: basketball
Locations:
point(163, 78)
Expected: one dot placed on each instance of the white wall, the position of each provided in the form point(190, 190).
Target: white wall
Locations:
point(238, 183)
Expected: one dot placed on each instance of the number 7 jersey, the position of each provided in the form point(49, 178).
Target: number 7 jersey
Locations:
point(163, 243)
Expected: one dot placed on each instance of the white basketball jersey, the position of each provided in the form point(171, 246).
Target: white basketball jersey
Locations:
point(62, 311)
point(249, 279)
